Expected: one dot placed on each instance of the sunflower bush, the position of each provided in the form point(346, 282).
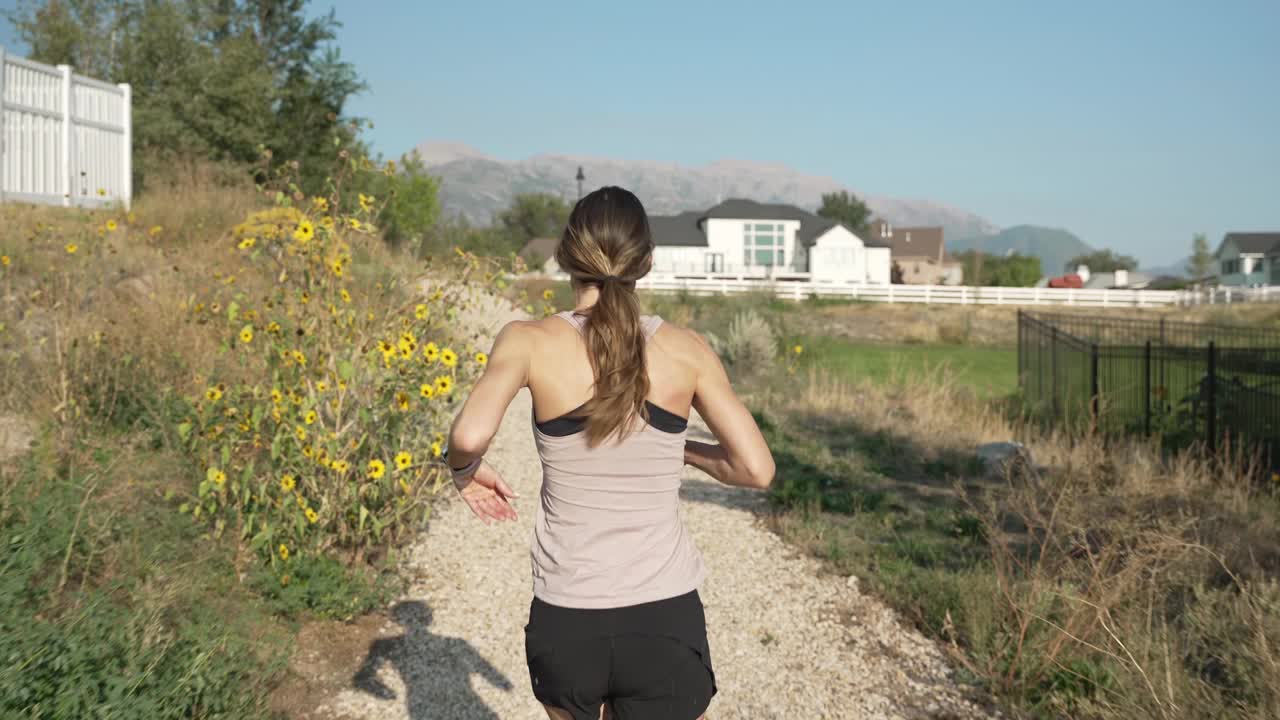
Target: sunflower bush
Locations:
point(321, 429)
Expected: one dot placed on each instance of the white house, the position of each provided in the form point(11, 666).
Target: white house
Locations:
point(1246, 259)
point(744, 237)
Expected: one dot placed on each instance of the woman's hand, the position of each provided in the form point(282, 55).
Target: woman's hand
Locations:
point(488, 495)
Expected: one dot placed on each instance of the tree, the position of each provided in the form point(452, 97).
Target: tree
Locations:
point(531, 215)
point(1012, 270)
point(1201, 262)
point(1102, 261)
point(845, 208)
point(412, 203)
point(211, 79)
point(895, 273)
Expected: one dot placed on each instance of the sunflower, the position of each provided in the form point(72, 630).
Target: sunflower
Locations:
point(305, 297)
point(299, 358)
point(427, 390)
point(320, 204)
point(300, 432)
point(246, 334)
point(155, 231)
point(482, 359)
point(366, 202)
point(353, 223)
point(797, 349)
point(247, 243)
point(213, 394)
point(219, 477)
point(376, 468)
point(273, 327)
point(327, 222)
point(112, 225)
point(430, 352)
point(302, 501)
point(346, 296)
point(448, 357)
point(340, 465)
point(403, 460)
point(287, 483)
point(548, 294)
point(312, 516)
point(284, 551)
point(402, 400)
point(321, 386)
point(444, 384)
point(436, 449)
point(4, 260)
point(310, 417)
point(421, 311)
point(71, 248)
point(304, 232)
point(335, 266)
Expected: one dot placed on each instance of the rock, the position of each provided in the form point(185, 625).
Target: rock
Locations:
point(1001, 459)
point(16, 436)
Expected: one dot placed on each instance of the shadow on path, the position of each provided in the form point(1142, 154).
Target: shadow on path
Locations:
point(435, 669)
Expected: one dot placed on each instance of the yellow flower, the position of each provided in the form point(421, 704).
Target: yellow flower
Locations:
point(430, 352)
point(327, 222)
point(155, 231)
point(277, 397)
point(321, 386)
point(310, 417)
point(301, 433)
point(284, 551)
point(219, 478)
point(302, 502)
point(305, 297)
point(273, 327)
point(112, 225)
point(436, 449)
point(403, 460)
point(798, 349)
point(246, 334)
point(346, 296)
point(366, 202)
point(548, 294)
point(312, 516)
point(448, 357)
point(340, 465)
point(402, 400)
point(376, 468)
point(299, 358)
point(307, 451)
point(406, 352)
point(427, 390)
point(4, 260)
point(71, 248)
point(444, 384)
point(213, 394)
point(336, 267)
point(247, 243)
point(387, 348)
point(482, 359)
point(320, 204)
point(287, 483)
point(419, 312)
point(354, 223)
point(304, 232)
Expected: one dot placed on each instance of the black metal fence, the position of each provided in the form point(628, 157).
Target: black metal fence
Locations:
point(1187, 382)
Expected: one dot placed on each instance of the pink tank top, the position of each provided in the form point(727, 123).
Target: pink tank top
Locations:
point(608, 531)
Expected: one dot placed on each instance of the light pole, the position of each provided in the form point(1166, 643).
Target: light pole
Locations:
point(581, 177)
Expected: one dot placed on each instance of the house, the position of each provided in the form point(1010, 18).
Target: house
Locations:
point(920, 253)
point(1246, 259)
point(759, 240)
point(540, 255)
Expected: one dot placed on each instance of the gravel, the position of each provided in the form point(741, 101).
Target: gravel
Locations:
point(787, 639)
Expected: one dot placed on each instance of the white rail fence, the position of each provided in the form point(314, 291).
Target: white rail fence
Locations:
point(65, 139)
point(942, 294)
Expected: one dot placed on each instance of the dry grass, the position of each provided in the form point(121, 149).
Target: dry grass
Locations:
point(1107, 580)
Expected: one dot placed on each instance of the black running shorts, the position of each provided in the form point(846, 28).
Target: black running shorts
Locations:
point(646, 662)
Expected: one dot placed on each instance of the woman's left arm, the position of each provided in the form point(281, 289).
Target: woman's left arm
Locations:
point(477, 422)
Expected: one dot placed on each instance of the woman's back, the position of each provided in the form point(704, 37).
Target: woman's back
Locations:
point(608, 531)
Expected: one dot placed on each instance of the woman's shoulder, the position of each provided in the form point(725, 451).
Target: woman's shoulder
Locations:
point(682, 341)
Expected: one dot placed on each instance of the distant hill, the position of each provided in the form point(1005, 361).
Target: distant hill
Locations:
point(1053, 246)
point(476, 186)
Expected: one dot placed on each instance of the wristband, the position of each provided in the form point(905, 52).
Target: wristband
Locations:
point(462, 475)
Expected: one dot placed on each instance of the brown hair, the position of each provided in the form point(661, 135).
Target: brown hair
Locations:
point(607, 243)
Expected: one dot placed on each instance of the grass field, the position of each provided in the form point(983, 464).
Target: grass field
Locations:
point(990, 372)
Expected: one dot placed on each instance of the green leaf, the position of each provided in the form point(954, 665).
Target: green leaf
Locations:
point(184, 430)
point(364, 513)
point(226, 455)
point(233, 311)
point(275, 445)
point(345, 370)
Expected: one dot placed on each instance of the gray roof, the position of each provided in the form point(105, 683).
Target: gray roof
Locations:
point(1254, 242)
point(679, 230)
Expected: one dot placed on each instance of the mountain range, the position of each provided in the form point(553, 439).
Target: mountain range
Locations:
point(475, 186)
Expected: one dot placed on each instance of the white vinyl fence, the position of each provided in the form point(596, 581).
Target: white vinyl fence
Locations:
point(65, 139)
point(943, 294)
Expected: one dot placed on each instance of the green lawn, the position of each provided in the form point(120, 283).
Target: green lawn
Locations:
point(988, 371)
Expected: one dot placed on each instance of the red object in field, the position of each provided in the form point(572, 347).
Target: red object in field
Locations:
point(1071, 280)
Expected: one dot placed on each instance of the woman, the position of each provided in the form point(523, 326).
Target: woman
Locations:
point(616, 622)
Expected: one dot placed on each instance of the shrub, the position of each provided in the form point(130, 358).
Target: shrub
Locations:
point(750, 345)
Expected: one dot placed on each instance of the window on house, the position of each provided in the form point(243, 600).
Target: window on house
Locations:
point(1229, 267)
point(763, 245)
point(714, 262)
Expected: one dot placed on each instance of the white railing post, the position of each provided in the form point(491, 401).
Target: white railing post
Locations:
point(4, 164)
point(891, 293)
point(126, 145)
point(65, 166)
point(926, 294)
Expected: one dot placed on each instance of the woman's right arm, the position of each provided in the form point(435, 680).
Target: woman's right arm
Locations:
point(741, 458)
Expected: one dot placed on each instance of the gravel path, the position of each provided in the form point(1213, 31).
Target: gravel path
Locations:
point(787, 641)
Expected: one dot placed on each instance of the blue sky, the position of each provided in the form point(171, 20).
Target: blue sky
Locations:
point(1133, 124)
